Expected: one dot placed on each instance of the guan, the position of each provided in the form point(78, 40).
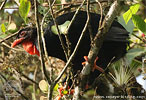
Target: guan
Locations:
point(114, 45)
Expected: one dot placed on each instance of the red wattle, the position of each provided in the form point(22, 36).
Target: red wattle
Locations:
point(30, 48)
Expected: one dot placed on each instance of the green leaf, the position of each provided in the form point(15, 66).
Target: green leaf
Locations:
point(3, 28)
point(64, 92)
point(62, 28)
point(129, 26)
point(54, 29)
point(133, 9)
point(24, 9)
point(132, 53)
point(139, 23)
point(56, 87)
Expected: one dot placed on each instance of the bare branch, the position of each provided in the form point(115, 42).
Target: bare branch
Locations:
point(2, 76)
point(44, 72)
point(8, 37)
point(8, 46)
point(34, 85)
point(114, 10)
point(75, 50)
point(76, 95)
point(44, 44)
point(71, 57)
point(59, 34)
point(2, 5)
point(29, 79)
point(100, 22)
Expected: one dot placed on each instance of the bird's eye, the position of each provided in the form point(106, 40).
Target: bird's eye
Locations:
point(23, 33)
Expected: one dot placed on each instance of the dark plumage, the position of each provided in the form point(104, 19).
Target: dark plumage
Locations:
point(114, 45)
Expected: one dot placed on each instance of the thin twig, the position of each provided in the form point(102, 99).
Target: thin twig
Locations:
point(53, 3)
point(50, 91)
point(113, 11)
point(44, 72)
point(89, 25)
point(77, 89)
point(5, 44)
point(72, 5)
point(68, 6)
point(59, 34)
point(2, 5)
point(74, 52)
point(2, 76)
point(26, 77)
point(44, 45)
point(29, 79)
point(34, 85)
point(101, 14)
point(9, 36)
point(79, 3)
point(94, 93)
point(17, 76)
point(105, 70)
point(72, 20)
point(144, 41)
point(70, 58)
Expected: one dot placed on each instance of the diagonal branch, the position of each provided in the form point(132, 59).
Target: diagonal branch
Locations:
point(40, 44)
point(98, 40)
point(76, 95)
point(8, 37)
point(2, 5)
point(23, 96)
point(58, 31)
point(75, 50)
point(71, 57)
point(102, 31)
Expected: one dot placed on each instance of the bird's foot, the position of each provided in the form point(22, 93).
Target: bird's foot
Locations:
point(95, 67)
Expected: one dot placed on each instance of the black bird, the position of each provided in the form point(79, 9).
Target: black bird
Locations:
point(114, 45)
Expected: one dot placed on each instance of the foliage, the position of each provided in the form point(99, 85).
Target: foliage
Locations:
point(138, 22)
point(24, 9)
point(133, 10)
point(129, 26)
point(62, 28)
point(3, 28)
point(122, 73)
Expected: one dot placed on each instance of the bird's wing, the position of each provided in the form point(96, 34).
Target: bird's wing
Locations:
point(117, 34)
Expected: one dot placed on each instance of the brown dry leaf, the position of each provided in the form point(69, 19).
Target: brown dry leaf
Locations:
point(12, 26)
point(43, 98)
point(43, 86)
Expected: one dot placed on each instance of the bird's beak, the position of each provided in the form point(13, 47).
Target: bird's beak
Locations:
point(16, 42)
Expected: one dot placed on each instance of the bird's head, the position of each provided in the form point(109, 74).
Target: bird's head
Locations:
point(28, 38)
